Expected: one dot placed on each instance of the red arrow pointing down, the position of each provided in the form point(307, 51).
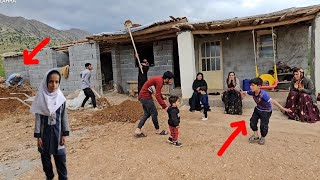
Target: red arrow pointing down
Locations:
point(240, 127)
point(27, 58)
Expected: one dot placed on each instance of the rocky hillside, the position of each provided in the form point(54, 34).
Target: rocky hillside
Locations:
point(18, 33)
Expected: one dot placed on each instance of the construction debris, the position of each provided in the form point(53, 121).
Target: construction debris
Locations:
point(12, 99)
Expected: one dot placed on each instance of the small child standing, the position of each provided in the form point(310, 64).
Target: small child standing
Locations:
point(51, 124)
point(262, 111)
point(174, 121)
point(204, 100)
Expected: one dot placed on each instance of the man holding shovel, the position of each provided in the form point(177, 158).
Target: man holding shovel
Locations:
point(149, 108)
point(86, 86)
point(145, 94)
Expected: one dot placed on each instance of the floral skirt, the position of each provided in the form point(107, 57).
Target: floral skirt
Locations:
point(232, 102)
point(302, 107)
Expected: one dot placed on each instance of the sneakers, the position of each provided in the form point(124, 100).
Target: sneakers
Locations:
point(253, 139)
point(177, 144)
point(169, 140)
point(262, 141)
point(204, 119)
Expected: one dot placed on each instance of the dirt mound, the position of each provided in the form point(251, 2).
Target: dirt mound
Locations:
point(5, 92)
point(128, 111)
point(2, 79)
point(13, 105)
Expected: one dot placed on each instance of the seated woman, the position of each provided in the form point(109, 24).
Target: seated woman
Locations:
point(232, 96)
point(194, 101)
point(302, 99)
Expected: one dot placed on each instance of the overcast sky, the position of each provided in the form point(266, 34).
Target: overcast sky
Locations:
point(97, 16)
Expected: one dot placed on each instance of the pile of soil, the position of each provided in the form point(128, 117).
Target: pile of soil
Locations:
point(5, 92)
point(127, 111)
point(2, 79)
point(13, 105)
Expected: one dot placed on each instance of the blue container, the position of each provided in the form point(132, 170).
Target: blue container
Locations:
point(246, 84)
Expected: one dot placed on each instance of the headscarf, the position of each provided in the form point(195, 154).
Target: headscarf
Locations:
point(235, 80)
point(199, 83)
point(46, 103)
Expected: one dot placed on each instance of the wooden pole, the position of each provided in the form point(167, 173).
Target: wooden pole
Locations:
point(96, 93)
point(128, 24)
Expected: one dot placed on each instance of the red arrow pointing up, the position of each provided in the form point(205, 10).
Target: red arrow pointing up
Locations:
point(240, 127)
point(27, 58)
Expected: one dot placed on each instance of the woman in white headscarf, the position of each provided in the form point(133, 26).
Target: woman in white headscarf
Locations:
point(51, 125)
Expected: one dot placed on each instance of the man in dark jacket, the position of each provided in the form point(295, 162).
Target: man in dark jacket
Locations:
point(174, 121)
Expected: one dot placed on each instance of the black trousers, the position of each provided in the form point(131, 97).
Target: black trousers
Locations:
point(61, 165)
point(264, 117)
point(89, 94)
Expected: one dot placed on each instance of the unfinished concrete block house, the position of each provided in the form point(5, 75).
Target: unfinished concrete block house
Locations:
point(185, 48)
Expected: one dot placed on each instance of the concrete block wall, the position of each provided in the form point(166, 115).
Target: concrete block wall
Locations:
point(16, 65)
point(48, 58)
point(79, 55)
point(47, 61)
point(163, 58)
point(128, 70)
point(292, 45)
point(238, 56)
point(123, 62)
point(32, 73)
point(116, 67)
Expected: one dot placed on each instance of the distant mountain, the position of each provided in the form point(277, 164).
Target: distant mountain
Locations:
point(18, 33)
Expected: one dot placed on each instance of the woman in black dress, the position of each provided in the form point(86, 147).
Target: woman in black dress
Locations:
point(194, 101)
point(142, 78)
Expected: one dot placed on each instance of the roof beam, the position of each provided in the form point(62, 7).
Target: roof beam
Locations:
point(163, 33)
point(255, 22)
point(143, 32)
point(260, 26)
point(283, 17)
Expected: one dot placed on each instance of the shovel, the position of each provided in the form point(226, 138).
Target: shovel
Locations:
point(128, 25)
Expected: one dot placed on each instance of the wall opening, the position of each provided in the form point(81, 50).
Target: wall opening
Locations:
point(106, 71)
point(63, 59)
point(145, 51)
point(176, 66)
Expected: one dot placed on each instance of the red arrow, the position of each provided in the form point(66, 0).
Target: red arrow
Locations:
point(240, 127)
point(27, 58)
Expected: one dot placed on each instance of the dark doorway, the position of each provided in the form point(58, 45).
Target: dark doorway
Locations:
point(106, 71)
point(145, 51)
point(176, 66)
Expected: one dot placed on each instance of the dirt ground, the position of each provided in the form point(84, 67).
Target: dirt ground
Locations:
point(101, 146)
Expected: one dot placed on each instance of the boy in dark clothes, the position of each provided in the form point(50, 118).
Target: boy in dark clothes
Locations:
point(262, 111)
point(174, 121)
point(204, 100)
